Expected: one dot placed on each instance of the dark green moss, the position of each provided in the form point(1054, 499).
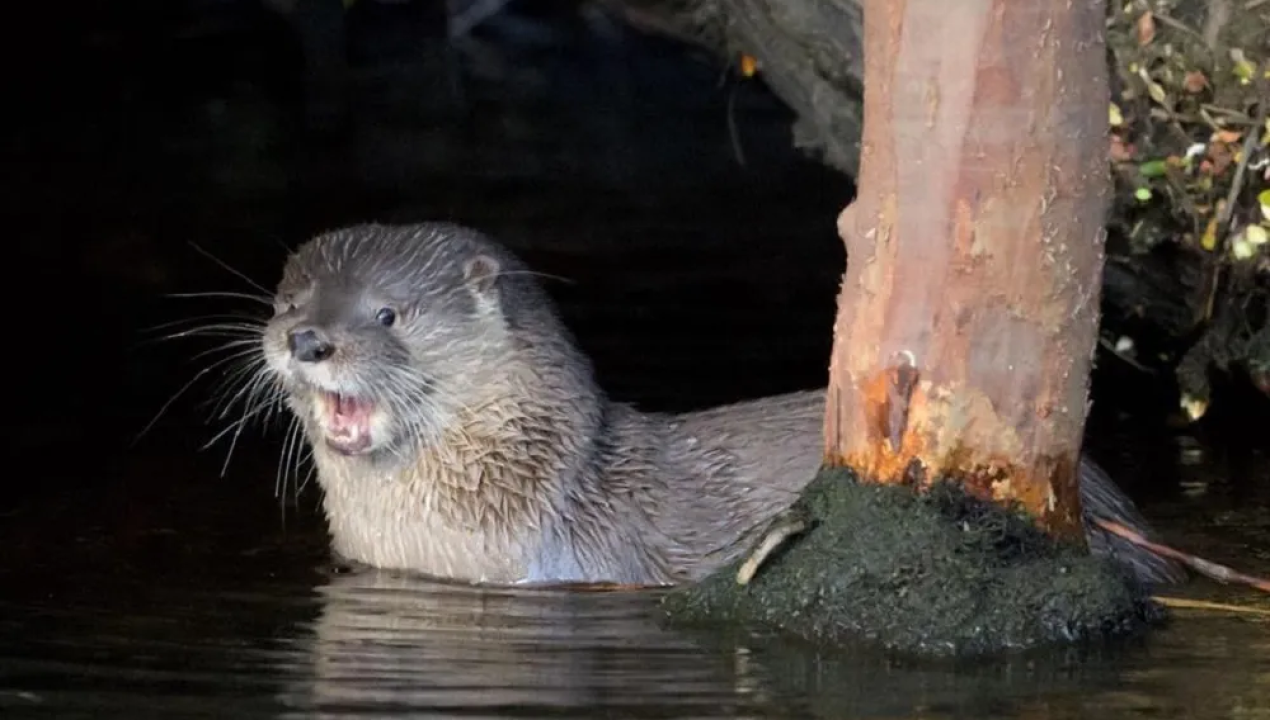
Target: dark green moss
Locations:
point(932, 573)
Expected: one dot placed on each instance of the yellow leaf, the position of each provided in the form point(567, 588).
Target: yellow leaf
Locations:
point(1116, 118)
point(1195, 407)
point(1241, 249)
point(1245, 71)
point(1209, 240)
point(1256, 235)
point(1263, 198)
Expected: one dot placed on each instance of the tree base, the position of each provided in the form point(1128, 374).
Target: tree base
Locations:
point(937, 573)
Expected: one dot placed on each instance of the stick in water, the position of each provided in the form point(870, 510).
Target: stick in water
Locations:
point(1220, 573)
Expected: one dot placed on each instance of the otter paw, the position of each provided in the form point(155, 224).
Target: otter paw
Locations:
point(784, 526)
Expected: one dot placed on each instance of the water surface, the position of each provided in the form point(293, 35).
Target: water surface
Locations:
point(208, 598)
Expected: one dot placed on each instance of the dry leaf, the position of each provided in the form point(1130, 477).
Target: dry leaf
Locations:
point(1120, 150)
point(1195, 82)
point(1146, 28)
point(1228, 136)
point(1221, 156)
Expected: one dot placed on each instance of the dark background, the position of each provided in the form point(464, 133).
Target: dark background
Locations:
point(697, 246)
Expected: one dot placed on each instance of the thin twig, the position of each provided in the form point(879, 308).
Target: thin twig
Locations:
point(1218, 16)
point(1176, 24)
point(1226, 213)
point(1250, 143)
point(1111, 348)
point(1207, 568)
point(1207, 605)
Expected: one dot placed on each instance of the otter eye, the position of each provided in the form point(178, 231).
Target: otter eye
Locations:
point(386, 316)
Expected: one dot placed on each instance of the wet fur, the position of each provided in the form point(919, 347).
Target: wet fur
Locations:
point(508, 463)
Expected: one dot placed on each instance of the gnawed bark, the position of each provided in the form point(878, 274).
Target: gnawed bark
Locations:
point(968, 316)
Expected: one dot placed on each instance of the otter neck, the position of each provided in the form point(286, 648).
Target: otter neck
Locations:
point(473, 502)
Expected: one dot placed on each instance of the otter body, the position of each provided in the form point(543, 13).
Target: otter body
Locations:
point(459, 432)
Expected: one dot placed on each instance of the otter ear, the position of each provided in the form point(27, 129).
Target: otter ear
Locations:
point(481, 273)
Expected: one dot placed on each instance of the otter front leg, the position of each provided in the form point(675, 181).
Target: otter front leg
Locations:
point(793, 521)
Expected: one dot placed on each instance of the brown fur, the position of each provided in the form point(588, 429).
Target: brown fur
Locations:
point(495, 457)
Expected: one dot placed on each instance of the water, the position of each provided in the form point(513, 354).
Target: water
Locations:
point(147, 580)
point(221, 608)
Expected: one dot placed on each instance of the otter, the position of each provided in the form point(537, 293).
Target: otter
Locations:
point(458, 430)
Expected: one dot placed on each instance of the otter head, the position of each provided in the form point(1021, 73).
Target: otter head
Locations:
point(383, 335)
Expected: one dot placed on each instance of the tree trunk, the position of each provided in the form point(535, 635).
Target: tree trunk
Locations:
point(968, 315)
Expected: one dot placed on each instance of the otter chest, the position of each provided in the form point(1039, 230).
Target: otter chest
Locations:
point(400, 523)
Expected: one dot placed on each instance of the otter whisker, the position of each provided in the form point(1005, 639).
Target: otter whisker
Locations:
point(401, 395)
point(237, 273)
point(303, 456)
point(256, 323)
point(291, 458)
point(217, 330)
point(241, 382)
point(308, 477)
point(460, 289)
point(289, 462)
point(236, 427)
point(534, 273)
point(251, 387)
point(178, 394)
point(428, 392)
point(242, 348)
point(408, 392)
point(266, 299)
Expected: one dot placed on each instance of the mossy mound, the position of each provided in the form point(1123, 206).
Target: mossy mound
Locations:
point(934, 573)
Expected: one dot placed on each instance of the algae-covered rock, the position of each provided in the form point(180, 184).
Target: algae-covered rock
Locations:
point(937, 572)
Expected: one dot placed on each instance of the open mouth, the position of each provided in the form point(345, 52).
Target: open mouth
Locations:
point(346, 420)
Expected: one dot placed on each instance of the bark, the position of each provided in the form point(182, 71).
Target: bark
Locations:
point(968, 315)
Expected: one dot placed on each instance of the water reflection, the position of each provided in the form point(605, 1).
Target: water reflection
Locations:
point(386, 643)
point(226, 616)
point(390, 641)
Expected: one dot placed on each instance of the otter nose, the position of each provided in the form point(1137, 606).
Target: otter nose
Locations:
point(308, 345)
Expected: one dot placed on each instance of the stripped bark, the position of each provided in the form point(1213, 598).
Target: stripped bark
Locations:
point(968, 316)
